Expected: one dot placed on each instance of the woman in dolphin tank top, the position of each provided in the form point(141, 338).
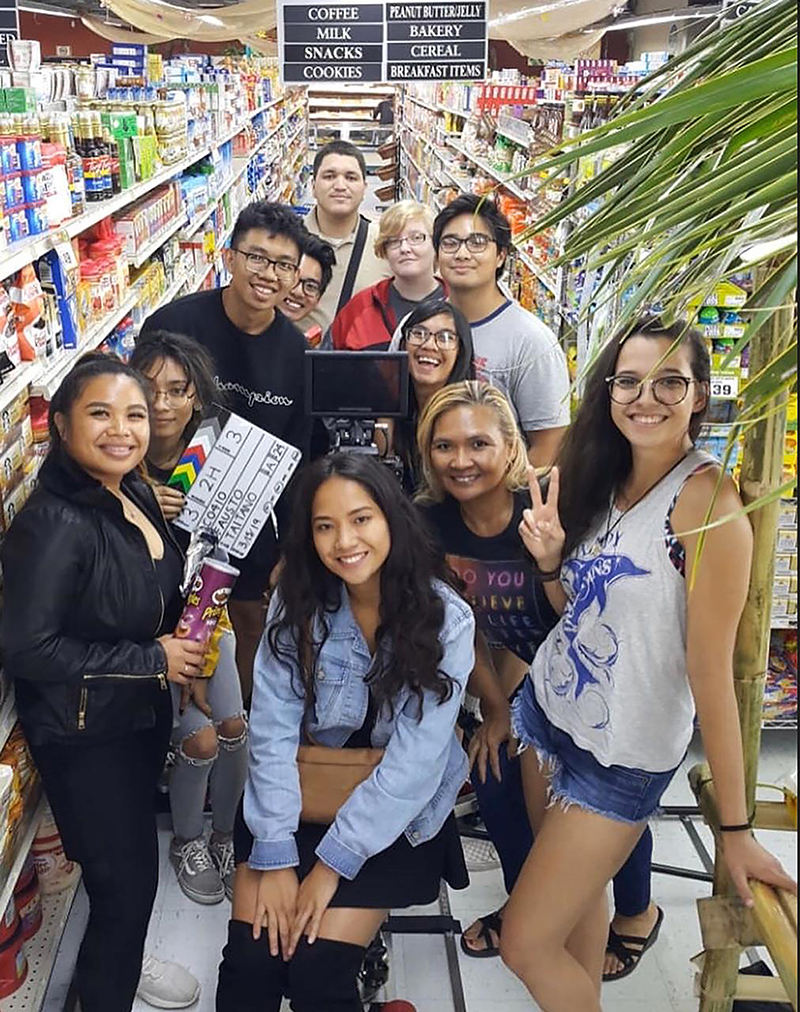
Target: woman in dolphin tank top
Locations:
point(608, 709)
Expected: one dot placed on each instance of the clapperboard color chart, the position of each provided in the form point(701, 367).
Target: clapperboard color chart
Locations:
point(232, 474)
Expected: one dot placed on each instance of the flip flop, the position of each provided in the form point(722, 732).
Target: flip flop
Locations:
point(619, 946)
point(490, 923)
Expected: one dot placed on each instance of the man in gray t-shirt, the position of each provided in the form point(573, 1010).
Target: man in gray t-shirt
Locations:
point(514, 350)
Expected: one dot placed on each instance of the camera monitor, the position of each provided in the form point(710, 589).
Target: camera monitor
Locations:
point(357, 384)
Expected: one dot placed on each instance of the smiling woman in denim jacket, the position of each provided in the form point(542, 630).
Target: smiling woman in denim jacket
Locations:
point(390, 651)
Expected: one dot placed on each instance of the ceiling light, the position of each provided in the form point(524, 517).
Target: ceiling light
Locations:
point(655, 19)
point(45, 10)
point(211, 20)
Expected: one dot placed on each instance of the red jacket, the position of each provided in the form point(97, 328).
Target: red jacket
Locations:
point(367, 321)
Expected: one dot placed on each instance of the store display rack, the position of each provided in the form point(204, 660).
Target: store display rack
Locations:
point(346, 113)
point(41, 952)
point(26, 835)
point(45, 377)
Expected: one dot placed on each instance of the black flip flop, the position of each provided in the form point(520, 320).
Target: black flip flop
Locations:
point(618, 945)
point(491, 922)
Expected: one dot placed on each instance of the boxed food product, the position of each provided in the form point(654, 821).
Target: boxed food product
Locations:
point(786, 563)
point(787, 542)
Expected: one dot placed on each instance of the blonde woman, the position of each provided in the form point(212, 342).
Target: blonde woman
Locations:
point(371, 317)
point(475, 491)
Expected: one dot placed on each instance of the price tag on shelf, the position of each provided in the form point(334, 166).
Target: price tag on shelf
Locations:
point(725, 387)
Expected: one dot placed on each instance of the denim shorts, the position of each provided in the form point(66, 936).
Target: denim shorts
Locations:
point(576, 777)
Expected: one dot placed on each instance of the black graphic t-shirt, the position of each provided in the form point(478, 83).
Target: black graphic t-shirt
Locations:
point(511, 607)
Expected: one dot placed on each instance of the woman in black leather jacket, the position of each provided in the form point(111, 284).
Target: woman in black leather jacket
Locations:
point(91, 599)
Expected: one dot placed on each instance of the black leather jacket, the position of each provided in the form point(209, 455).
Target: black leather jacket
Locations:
point(82, 609)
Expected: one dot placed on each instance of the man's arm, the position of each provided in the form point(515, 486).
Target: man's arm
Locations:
point(543, 445)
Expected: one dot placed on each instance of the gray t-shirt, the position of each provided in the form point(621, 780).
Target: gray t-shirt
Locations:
point(520, 355)
point(402, 306)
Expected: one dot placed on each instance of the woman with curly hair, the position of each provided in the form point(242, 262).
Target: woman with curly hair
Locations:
point(367, 644)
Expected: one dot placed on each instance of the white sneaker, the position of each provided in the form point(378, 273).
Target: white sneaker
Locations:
point(166, 985)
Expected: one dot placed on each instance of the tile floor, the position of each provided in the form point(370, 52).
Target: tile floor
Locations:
point(194, 935)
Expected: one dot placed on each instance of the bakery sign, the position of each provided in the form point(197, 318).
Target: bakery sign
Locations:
point(382, 42)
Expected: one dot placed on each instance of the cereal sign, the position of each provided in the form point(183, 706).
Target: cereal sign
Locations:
point(232, 474)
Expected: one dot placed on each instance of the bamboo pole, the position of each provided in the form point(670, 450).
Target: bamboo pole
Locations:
point(762, 467)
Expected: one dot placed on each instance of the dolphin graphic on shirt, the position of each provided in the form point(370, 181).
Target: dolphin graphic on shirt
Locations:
point(588, 648)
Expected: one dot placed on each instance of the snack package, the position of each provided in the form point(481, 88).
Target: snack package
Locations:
point(26, 299)
point(9, 342)
point(206, 602)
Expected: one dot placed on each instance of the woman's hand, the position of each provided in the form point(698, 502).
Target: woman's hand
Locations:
point(170, 500)
point(493, 733)
point(184, 658)
point(316, 892)
point(196, 692)
point(276, 906)
point(540, 529)
point(747, 859)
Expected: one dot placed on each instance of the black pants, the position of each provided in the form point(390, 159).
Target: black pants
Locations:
point(103, 798)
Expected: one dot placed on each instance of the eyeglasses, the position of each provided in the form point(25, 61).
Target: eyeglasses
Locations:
point(445, 339)
point(415, 239)
point(257, 263)
point(477, 242)
point(175, 397)
point(311, 287)
point(668, 390)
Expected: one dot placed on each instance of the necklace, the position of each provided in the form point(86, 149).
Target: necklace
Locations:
point(610, 527)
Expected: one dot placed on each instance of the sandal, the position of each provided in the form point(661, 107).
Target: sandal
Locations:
point(490, 923)
point(620, 946)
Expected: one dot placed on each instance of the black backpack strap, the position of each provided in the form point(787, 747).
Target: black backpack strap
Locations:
point(355, 263)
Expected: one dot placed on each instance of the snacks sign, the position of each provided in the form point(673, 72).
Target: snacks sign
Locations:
point(382, 42)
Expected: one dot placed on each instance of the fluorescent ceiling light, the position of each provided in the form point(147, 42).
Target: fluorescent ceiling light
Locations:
point(655, 19)
point(211, 20)
point(50, 13)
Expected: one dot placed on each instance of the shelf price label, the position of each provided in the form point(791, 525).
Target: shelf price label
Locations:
point(383, 42)
point(725, 386)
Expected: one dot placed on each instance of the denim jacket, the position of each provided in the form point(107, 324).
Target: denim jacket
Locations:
point(412, 790)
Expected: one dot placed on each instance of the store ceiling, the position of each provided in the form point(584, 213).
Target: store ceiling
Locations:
point(95, 8)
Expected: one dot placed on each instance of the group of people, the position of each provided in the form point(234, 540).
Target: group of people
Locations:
point(537, 565)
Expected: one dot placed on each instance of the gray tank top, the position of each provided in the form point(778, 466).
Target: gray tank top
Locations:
point(612, 673)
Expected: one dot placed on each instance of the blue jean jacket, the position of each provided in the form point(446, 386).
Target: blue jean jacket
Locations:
point(411, 791)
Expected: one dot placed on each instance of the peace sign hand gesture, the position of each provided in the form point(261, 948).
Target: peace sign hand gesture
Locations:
point(541, 529)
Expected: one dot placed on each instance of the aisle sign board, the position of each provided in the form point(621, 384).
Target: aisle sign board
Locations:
point(385, 42)
point(9, 28)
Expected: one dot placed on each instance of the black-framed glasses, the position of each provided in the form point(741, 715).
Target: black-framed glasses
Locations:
point(667, 390)
point(444, 339)
point(415, 239)
point(476, 242)
point(311, 287)
point(257, 263)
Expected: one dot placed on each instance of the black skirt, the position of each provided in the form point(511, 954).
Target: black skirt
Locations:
point(398, 877)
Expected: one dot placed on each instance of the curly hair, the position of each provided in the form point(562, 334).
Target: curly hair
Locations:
point(408, 651)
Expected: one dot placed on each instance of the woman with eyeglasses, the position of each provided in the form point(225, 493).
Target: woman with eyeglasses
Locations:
point(209, 732)
point(370, 318)
point(439, 345)
point(258, 367)
point(645, 641)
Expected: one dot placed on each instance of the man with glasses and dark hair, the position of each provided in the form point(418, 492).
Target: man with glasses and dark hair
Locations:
point(514, 350)
point(258, 358)
point(313, 278)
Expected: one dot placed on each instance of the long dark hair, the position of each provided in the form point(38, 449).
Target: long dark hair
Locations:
point(408, 652)
point(595, 458)
point(157, 345)
point(87, 368)
point(405, 432)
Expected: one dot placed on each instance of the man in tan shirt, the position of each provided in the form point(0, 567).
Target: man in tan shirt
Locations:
point(340, 182)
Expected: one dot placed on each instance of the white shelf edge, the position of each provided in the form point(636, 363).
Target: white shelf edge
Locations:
point(51, 378)
point(425, 105)
point(8, 717)
point(25, 842)
point(456, 112)
point(512, 187)
point(538, 271)
point(42, 951)
point(16, 381)
point(158, 240)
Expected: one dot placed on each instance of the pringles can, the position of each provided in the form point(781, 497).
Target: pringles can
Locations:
point(206, 602)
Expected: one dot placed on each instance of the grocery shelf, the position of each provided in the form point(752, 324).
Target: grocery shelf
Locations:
point(41, 952)
point(784, 622)
point(16, 381)
point(465, 114)
point(51, 377)
point(8, 717)
point(512, 187)
point(539, 271)
point(158, 240)
point(424, 105)
point(25, 840)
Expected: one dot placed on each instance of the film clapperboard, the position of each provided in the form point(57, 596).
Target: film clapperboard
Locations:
point(232, 474)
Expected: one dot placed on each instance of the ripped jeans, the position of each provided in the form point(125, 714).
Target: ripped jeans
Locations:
point(222, 763)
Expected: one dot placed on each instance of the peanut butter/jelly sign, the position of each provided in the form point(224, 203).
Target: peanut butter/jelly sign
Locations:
point(382, 42)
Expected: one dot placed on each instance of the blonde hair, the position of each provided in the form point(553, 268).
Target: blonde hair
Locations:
point(470, 394)
point(394, 220)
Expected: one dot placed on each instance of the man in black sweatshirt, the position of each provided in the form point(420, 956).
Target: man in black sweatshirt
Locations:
point(258, 355)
